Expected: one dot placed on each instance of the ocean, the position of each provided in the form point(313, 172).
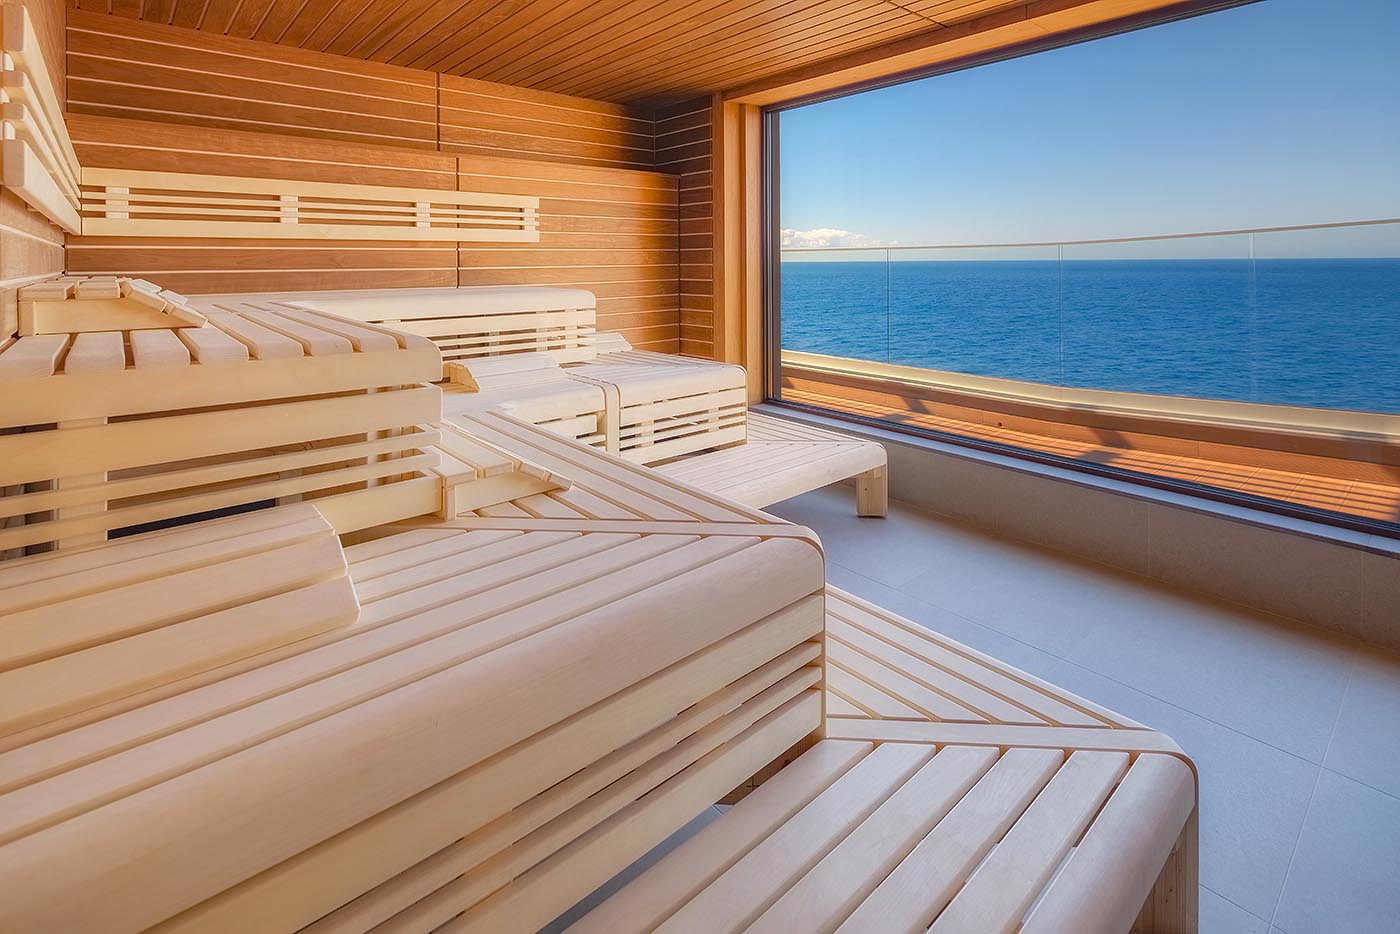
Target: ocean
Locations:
point(1309, 332)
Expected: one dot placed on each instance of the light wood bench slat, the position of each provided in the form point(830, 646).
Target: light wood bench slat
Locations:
point(210, 346)
point(96, 352)
point(1003, 888)
point(158, 350)
point(827, 894)
point(923, 883)
point(977, 680)
point(671, 883)
point(747, 888)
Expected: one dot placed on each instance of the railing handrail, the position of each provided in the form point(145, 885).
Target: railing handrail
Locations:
point(1175, 236)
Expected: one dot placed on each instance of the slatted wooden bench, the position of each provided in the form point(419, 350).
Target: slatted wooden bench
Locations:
point(504, 699)
point(953, 793)
point(504, 726)
point(861, 836)
point(83, 628)
point(781, 459)
point(467, 323)
point(157, 418)
point(535, 352)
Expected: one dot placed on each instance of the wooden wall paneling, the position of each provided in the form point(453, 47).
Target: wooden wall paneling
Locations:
point(214, 265)
point(684, 139)
point(738, 240)
point(31, 248)
point(612, 231)
point(485, 118)
point(127, 203)
point(122, 68)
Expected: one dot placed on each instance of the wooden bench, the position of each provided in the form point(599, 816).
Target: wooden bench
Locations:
point(504, 702)
point(781, 459)
point(505, 726)
point(953, 793)
point(891, 837)
point(536, 352)
point(111, 430)
point(466, 323)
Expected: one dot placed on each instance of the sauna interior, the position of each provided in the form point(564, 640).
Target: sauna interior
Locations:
point(412, 521)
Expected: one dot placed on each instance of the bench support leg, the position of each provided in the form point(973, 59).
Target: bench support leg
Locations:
point(873, 493)
point(1172, 905)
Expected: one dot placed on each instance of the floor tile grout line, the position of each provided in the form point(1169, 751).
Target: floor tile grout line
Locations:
point(1106, 677)
point(1235, 903)
point(1312, 799)
point(1367, 785)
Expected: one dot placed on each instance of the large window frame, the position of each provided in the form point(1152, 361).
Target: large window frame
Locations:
point(771, 290)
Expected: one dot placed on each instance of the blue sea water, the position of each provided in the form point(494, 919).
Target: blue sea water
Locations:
point(1310, 332)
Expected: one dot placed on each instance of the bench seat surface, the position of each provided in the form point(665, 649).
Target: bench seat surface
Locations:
point(862, 837)
point(781, 459)
point(503, 705)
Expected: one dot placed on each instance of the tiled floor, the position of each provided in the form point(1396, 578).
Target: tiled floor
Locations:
point(1296, 734)
point(1355, 497)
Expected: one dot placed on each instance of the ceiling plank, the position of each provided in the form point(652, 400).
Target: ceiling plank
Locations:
point(652, 52)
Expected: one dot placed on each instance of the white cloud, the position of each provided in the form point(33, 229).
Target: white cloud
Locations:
point(827, 237)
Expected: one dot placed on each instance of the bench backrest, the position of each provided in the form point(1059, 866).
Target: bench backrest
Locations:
point(88, 627)
point(469, 323)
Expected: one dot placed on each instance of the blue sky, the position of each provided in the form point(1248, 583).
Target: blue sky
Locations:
point(1276, 113)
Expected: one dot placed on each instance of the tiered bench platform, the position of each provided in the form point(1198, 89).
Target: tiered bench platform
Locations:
point(562, 679)
point(529, 697)
point(175, 413)
point(953, 793)
point(535, 352)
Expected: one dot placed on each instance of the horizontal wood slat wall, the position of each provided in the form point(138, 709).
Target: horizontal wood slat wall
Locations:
point(684, 143)
point(31, 248)
point(612, 231)
point(151, 96)
point(213, 265)
point(485, 118)
point(149, 71)
point(123, 68)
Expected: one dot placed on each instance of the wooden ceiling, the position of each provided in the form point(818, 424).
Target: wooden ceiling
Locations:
point(653, 51)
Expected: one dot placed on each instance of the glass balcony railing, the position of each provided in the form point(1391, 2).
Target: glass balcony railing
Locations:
point(1296, 317)
point(1264, 362)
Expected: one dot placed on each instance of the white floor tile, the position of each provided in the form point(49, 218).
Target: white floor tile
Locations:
point(1366, 746)
point(1251, 700)
point(1345, 877)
